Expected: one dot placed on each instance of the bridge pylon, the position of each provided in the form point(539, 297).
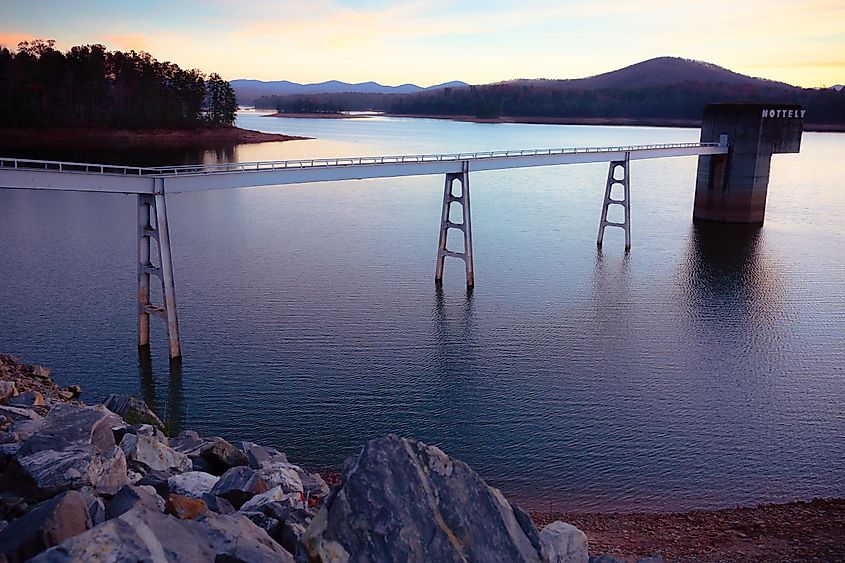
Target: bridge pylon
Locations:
point(152, 225)
point(621, 166)
point(464, 226)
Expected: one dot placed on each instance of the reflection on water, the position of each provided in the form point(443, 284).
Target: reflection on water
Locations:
point(703, 369)
point(171, 408)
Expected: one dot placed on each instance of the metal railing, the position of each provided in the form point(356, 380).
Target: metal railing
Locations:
point(194, 169)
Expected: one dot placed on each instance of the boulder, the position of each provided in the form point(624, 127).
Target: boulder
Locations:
point(159, 480)
point(26, 428)
point(48, 472)
point(236, 538)
point(152, 454)
point(564, 543)
point(140, 430)
point(133, 496)
point(222, 456)
point(187, 442)
point(218, 504)
point(45, 525)
point(314, 486)
point(142, 535)
point(605, 559)
point(18, 413)
point(71, 426)
point(137, 535)
point(402, 500)
point(258, 456)
point(95, 506)
point(283, 475)
point(132, 410)
point(185, 508)
point(7, 389)
point(27, 399)
point(193, 484)
point(239, 484)
point(277, 495)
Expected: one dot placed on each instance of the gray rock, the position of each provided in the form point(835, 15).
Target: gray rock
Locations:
point(401, 500)
point(564, 543)
point(236, 538)
point(283, 475)
point(314, 486)
point(71, 426)
point(132, 410)
point(26, 428)
point(157, 480)
point(605, 559)
point(137, 535)
point(258, 456)
point(152, 454)
point(193, 484)
point(9, 437)
point(218, 504)
point(134, 496)
point(48, 472)
point(187, 442)
point(277, 495)
point(95, 506)
point(222, 456)
point(18, 413)
point(142, 535)
point(141, 430)
point(239, 484)
point(7, 389)
point(27, 399)
point(199, 464)
point(47, 524)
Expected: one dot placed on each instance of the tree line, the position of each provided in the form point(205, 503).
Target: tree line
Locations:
point(685, 100)
point(90, 86)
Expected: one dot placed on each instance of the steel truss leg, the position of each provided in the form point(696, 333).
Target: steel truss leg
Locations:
point(152, 225)
point(465, 225)
point(625, 202)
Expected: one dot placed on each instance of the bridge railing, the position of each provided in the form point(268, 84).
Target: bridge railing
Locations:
point(194, 169)
point(85, 167)
point(401, 159)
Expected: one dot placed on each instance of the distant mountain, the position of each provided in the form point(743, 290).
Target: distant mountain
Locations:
point(662, 71)
point(248, 91)
point(838, 87)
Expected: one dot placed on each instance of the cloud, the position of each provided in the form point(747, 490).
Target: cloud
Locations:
point(11, 39)
point(128, 41)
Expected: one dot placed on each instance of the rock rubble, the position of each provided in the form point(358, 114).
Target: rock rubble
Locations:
point(82, 483)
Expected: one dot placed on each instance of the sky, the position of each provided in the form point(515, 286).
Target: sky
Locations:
point(801, 42)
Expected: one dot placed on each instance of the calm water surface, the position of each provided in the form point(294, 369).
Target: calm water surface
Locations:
point(704, 369)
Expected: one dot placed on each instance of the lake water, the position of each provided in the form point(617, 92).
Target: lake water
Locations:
point(703, 369)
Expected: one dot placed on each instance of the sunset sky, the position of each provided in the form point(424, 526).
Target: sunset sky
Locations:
point(427, 42)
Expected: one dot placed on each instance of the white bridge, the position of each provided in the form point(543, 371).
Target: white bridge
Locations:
point(152, 184)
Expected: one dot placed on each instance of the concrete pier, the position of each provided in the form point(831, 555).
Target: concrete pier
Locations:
point(731, 188)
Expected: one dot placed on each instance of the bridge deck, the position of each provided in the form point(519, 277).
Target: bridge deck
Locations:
point(72, 176)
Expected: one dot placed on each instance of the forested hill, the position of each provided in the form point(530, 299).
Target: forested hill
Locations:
point(89, 86)
point(666, 88)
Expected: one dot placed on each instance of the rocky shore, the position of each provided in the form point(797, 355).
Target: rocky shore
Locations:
point(104, 483)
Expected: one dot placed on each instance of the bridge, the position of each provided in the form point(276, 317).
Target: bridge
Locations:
point(153, 184)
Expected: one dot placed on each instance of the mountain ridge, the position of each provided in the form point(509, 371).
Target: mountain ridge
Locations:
point(247, 90)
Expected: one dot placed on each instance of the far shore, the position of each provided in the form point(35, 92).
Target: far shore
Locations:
point(93, 137)
point(611, 121)
point(317, 115)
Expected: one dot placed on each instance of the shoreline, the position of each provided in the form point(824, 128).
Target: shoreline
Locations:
point(605, 121)
point(92, 137)
point(283, 115)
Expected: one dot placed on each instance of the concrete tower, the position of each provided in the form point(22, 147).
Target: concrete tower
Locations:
point(732, 188)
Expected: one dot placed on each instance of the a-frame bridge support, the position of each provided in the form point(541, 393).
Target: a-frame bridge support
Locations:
point(155, 260)
point(465, 226)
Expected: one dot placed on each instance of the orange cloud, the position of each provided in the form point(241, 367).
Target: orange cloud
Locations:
point(11, 39)
point(128, 41)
